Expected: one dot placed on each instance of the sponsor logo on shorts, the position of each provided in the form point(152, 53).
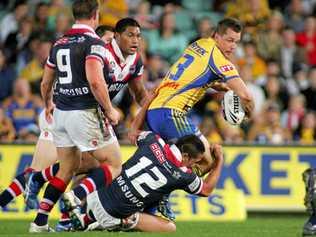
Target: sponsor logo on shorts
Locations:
point(94, 142)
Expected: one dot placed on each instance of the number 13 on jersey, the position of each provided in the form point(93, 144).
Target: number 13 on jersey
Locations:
point(181, 67)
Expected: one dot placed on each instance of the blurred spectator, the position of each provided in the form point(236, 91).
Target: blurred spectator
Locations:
point(299, 82)
point(310, 92)
point(112, 10)
point(256, 91)
point(252, 13)
point(27, 54)
point(232, 134)
point(205, 27)
point(146, 20)
point(7, 77)
point(307, 39)
point(156, 70)
point(63, 23)
point(271, 33)
point(41, 17)
point(210, 131)
point(290, 53)
point(10, 21)
point(306, 131)
point(18, 41)
point(57, 8)
point(251, 58)
point(33, 71)
point(275, 92)
point(267, 127)
point(292, 117)
point(166, 41)
point(23, 109)
point(7, 132)
point(294, 14)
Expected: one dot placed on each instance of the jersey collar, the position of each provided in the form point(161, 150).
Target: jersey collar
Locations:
point(119, 53)
point(82, 29)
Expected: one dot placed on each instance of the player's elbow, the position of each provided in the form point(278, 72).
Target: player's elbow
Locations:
point(207, 190)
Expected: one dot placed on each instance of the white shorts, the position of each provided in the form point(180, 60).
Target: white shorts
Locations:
point(45, 127)
point(85, 129)
point(104, 219)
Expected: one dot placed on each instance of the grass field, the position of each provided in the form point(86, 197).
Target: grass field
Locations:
point(256, 226)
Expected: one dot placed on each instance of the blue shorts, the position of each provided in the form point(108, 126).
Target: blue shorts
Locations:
point(170, 124)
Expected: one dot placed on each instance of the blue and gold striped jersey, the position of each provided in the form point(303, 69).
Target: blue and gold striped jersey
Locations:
point(201, 64)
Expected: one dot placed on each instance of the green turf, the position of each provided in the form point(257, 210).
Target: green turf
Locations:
point(255, 226)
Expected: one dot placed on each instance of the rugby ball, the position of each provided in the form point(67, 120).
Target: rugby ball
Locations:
point(233, 112)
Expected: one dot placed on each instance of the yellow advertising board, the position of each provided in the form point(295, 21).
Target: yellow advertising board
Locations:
point(270, 177)
point(263, 178)
point(220, 206)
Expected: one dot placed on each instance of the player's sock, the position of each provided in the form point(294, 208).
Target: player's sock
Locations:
point(46, 175)
point(54, 190)
point(99, 177)
point(14, 189)
point(65, 217)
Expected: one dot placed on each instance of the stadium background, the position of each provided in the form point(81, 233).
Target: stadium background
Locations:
point(276, 57)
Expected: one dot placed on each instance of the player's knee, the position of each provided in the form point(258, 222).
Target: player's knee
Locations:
point(171, 227)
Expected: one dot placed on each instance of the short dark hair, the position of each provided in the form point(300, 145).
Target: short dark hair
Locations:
point(84, 9)
point(101, 29)
point(191, 144)
point(122, 24)
point(228, 23)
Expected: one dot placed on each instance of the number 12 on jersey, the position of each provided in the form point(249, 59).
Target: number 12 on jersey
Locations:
point(145, 177)
point(182, 66)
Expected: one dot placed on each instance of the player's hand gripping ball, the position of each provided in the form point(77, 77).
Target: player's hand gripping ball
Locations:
point(232, 110)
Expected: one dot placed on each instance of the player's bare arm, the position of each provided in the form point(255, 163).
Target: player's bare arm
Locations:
point(139, 120)
point(46, 91)
point(99, 89)
point(212, 178)
point(138, 90)
point(239, 87)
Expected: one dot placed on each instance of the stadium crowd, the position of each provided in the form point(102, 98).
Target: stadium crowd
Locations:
point(276, 58)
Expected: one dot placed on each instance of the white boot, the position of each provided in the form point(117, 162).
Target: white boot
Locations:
point(39, 228)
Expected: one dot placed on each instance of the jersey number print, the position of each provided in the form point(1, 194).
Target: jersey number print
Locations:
point(145, 178)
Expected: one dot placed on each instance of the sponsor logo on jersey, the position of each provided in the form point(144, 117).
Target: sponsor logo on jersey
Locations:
point(226, 68)
point(116, 87)
point(157, 152)
point(127, 192)
point(197, 48)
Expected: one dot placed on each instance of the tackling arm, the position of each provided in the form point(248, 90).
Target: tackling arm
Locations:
point(209, 183)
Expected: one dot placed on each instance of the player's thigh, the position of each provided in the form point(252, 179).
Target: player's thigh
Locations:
point(45, 154)
point(87, 163)
point(89, 130)
point(69, 162)
point(111, 155)
point(60, 136)
point(163, 122)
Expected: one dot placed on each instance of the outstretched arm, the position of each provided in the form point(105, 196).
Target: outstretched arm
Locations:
point(139, 120)
point(210, 181)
